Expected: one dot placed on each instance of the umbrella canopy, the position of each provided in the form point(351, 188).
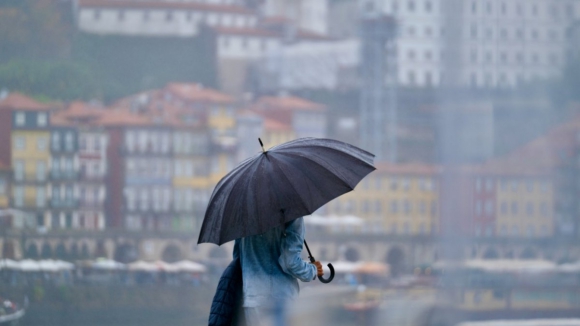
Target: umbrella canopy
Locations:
point(189, 266)
point(163, 266)
point(29, 265)
point(107, 264)
point(9, 264)
point(141, 265)
point(279, 185)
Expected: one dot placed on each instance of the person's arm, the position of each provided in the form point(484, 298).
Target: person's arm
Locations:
point(290, 260)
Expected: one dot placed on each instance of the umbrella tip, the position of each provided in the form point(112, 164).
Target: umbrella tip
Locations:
point(261, 144)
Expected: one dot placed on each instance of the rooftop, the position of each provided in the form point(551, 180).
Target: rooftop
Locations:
point(18, 101)
point(149, 4)
point(287, 103)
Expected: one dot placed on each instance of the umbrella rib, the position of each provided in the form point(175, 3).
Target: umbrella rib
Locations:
point(314, 183)
point(322, 166)
point(220, 187)
point(291, 185)
point(250, 168)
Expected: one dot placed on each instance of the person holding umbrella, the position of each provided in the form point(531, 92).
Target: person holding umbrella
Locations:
point(261, 205)
point(271, 265)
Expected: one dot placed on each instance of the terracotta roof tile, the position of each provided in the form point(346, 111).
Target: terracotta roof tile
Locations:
point(148, 4)
point(246, 31)
point(288, 103)
point(197, 92)
point(122, 118)
point(274, 125)
point(17, 101)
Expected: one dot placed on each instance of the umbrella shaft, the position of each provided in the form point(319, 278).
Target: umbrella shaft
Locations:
point(309, 254)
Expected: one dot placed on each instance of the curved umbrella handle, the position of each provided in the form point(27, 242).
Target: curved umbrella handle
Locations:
point(328, 280)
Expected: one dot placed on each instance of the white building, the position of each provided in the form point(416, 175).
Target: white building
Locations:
point(309, 15)
point(503, 43)
point(159, 18)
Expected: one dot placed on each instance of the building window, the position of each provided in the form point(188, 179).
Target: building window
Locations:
point(514, 208)
point(488, 184)
point(530, 186)
point(407, 207)
point(520, 34)
point(473, 56)
point(503, 8)
point(530, 209)
point(489, 57)
point(394, 206)
point(544, 187)
point(40, 170)
point(19, 196)
point(478, 185)
point(121, 15)
point(56, 141)
point(244, 43)
point(19, 169)
point(69, 141)
point(473, 31)
point(411, 6)
point(534, 34)
point(40, 197)
point(514, 186)
point(428, 79)
point(41, 144)
point(96, 14)
point(169, 16)
point(19, 143)
point(544, 209)
point(428, 6)
point(411, 77)
point(41, 119)
point(20, 119)
point(394, 185)
point(504, 33)
point(474, 7)
point(504, 207)
point(478, 208)
point(489, 9)
point(489, 33)
point(411, 55)
point(489, 207)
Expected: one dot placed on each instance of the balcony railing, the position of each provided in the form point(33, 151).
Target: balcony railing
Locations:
point(64, 175)
point(66, 203)
point(84, 176)
point(30, 178)
point(29, 204)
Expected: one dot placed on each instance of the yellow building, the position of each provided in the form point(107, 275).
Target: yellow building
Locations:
point(396, 198)
point(5, 181)
point(524, 206)
point(30, 154)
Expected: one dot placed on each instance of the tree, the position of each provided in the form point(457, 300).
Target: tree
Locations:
point(49, 79)
point(32, 29)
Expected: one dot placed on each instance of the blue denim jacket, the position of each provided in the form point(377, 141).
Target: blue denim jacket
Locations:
point(271, 263)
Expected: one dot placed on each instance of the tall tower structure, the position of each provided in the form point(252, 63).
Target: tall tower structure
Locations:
point(378, 112)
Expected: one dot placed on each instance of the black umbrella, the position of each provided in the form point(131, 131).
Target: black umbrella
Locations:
point(279, 185)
